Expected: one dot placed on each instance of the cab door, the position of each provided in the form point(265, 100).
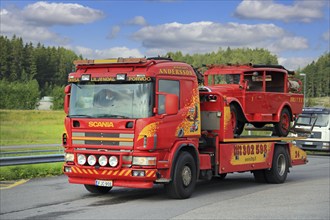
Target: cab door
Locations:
point(186, 123)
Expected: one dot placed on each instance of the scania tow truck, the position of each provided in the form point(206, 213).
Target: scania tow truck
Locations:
point(136, 122)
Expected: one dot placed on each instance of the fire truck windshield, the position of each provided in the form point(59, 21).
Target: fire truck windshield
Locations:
point(111, 100)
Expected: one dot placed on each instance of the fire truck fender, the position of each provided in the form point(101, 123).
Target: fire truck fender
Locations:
point(176, 151)
point(232, 100)
point(279, 111)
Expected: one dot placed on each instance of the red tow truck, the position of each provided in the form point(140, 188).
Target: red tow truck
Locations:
point(136, 122)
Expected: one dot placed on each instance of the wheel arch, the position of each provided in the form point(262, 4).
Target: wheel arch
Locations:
point(188, 147)
point(236, 103)
point(283, 106)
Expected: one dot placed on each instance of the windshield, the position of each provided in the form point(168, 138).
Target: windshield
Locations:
point(111, 100)
point(224, 79)
point(322, 119)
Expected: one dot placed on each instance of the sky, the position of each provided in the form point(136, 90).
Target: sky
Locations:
point(296, 31)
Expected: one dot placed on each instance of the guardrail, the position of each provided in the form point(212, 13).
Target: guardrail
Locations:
point(6, 160)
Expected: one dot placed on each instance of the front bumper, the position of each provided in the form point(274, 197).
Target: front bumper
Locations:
point(120, 177)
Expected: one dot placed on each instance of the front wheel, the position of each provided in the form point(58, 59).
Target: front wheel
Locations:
point(237, 125)
point(184, 177)
point(280, 166)
point(97, 189)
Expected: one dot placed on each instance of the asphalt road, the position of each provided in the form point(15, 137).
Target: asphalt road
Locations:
point(305, 195)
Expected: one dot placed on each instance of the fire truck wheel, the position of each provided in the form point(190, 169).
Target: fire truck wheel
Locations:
point(184, 177)
point(97, 189)
point(280, 166)
point(259, 176)
point(283, 126)
point(237, 125)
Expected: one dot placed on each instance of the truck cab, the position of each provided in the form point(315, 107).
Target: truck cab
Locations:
point(319, 137)
point(127, 117)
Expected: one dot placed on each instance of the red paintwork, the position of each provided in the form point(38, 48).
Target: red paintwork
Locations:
point(167, 135)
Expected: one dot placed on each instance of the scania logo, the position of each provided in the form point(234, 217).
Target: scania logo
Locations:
point(97, 124)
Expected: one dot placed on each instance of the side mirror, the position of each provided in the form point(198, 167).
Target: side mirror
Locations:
point(171, 104)
point(67, 91)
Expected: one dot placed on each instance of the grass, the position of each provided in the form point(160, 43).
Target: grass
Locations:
point(30, 171)
point(25, 127)
point(320, 101)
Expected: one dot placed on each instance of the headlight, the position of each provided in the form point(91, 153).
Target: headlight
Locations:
point(103, 160)
point(144, 161)
point(81, 159)
point(113, 161)
point(91, 160)
point(68, 157)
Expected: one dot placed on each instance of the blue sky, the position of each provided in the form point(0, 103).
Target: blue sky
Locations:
point(296, 31)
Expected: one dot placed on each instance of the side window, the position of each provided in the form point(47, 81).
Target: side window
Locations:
point(255, 80)
point(167, 86)
point(276, 82)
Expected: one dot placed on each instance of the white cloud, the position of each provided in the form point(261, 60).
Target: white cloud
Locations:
point(302, 10)
point(12, 23)
point(32, 23)
point(201, 37)
point(137, 20)
point(113, 52)
point(288, 43)
point(294, 63)
point(44, 13)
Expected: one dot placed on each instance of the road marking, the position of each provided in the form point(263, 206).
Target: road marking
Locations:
point(11, 184)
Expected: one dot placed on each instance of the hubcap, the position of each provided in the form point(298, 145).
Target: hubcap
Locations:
point(186, 175)
point(281, 165)
point(285, 122)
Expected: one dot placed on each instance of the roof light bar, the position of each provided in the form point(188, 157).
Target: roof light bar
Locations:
point(110, 61)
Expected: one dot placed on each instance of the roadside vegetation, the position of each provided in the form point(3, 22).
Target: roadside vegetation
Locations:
point(30, 171)
point(26, 127)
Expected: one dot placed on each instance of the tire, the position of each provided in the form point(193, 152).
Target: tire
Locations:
point(282, 127)
point(258, 124)
point(237, 125)
point(184, 177)
point(280, 166)
point(97, 189)
point(259, 176)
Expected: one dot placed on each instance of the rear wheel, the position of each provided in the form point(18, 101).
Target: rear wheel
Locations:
point(236, 124)
point(282, 127)
point(184, 177)
point(97, 189)
point(280, 166)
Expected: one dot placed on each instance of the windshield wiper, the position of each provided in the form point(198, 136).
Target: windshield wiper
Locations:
point(80, 116)
point(109, 116)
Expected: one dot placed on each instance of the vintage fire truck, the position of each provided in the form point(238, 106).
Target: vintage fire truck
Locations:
point(259, 95)
point(136, 122)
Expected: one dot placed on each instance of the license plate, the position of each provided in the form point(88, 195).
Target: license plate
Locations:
point(106, 183)
point(309, 143)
